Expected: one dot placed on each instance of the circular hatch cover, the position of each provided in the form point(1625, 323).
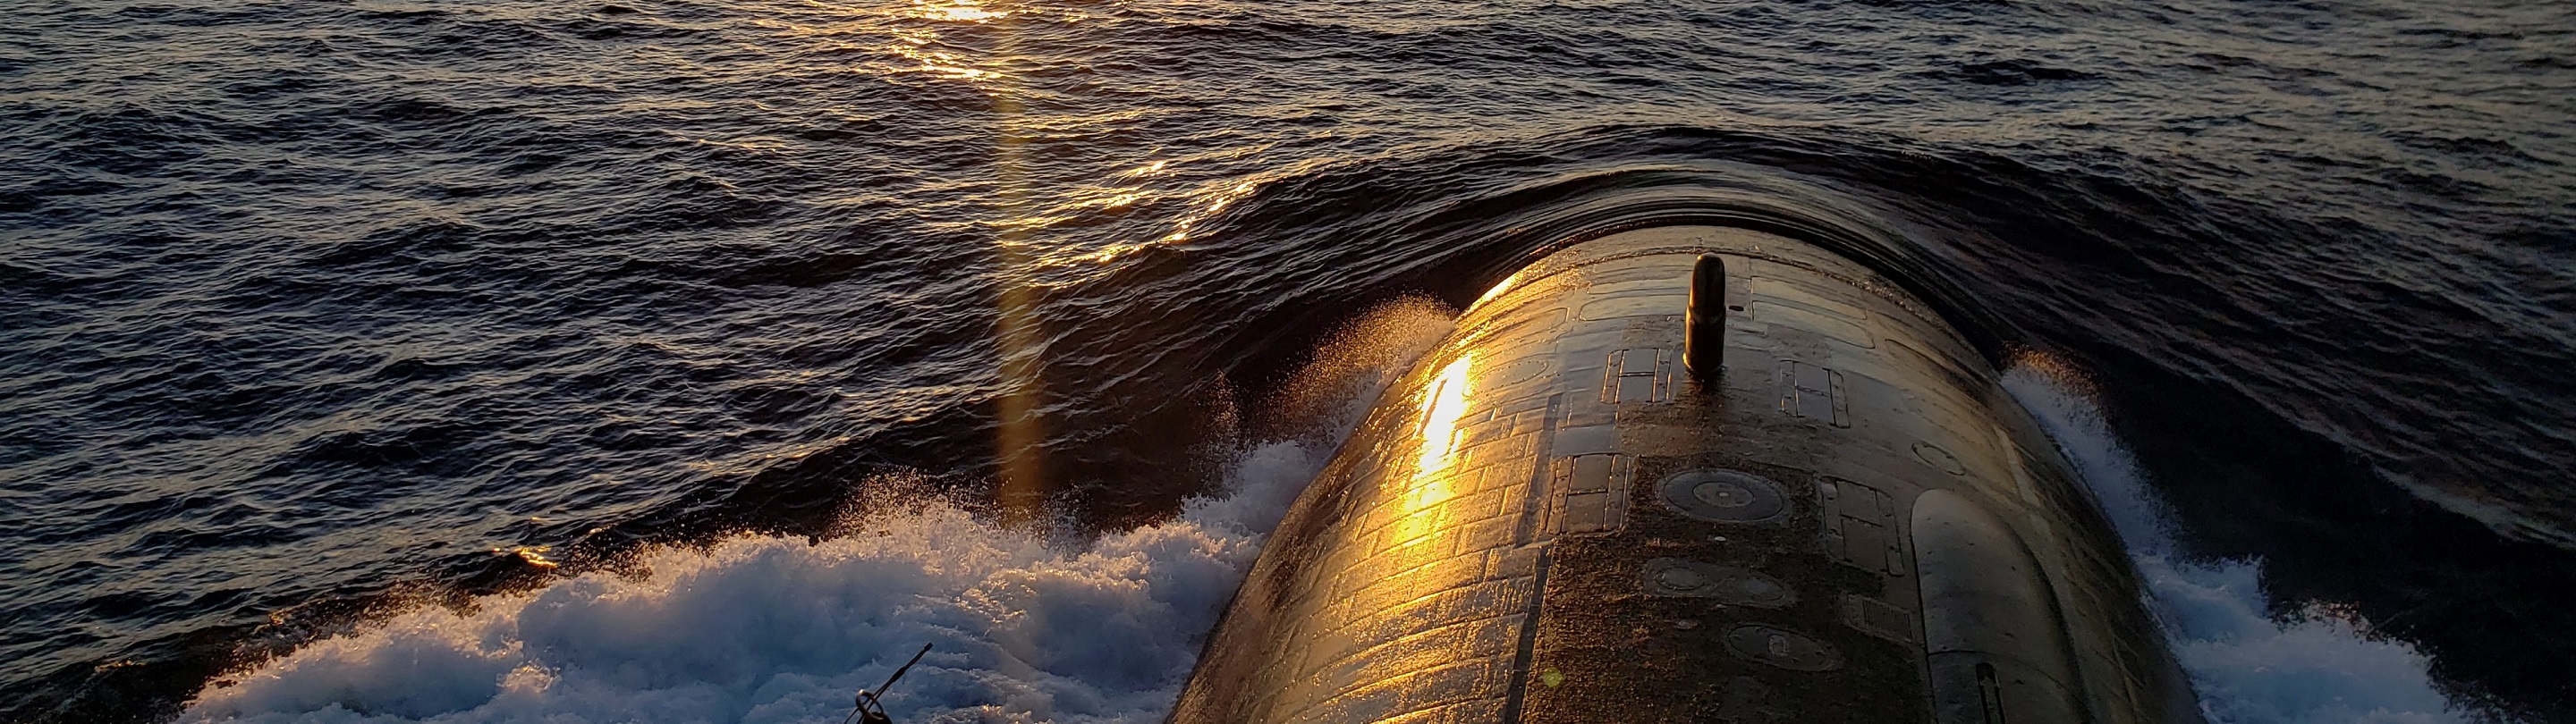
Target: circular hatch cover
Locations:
point(1725, 496)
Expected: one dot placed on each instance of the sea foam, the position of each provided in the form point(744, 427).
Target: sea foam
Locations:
point(2319, 666)
point(769, 629)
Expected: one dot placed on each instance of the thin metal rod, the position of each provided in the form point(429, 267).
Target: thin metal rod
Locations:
point(907, 666)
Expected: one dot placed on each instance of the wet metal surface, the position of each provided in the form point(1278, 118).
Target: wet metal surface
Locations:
point(1736, 586)
point(1725, 496)
point(1552, 521)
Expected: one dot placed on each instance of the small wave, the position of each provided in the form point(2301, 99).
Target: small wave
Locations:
point(2320, 666)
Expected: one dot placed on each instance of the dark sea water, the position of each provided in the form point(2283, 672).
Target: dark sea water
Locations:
point(518, 360)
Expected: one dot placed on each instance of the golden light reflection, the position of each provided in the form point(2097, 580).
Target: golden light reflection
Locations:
point(1503, 286)
point(1207, 207)
point(923, 44)
point(1019, 334)
point(916, 46)
point(1216, 202)
point(967, 11)
point(1120, 201)
point(1441, 409)
point(531, 555)
point(1424, 498)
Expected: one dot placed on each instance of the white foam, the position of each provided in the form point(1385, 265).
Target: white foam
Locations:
point(768, 629)
point(2320, 667)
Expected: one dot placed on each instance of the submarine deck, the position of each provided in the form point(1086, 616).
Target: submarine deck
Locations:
point(1553, 520)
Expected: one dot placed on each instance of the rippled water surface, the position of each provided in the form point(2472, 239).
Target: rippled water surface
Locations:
point(382, 330)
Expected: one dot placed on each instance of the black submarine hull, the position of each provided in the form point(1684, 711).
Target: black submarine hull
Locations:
point(1839, 517)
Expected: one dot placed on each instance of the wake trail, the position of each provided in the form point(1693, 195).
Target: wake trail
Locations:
point(2320, 666)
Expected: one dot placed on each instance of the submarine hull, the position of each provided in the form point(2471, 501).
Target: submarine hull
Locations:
point(1831, 513)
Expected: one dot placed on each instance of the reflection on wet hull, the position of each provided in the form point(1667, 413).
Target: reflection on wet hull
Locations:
point(1556, 520)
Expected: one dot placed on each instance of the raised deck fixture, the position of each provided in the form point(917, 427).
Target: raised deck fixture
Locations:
point(1569, 513)
point(1704, 325)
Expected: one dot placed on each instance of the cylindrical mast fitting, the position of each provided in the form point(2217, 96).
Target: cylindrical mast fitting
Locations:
point(1704, 344)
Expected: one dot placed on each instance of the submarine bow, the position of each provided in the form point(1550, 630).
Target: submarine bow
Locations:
point(1826, 511)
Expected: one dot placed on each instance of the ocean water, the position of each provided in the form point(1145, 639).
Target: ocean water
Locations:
point(697, 360)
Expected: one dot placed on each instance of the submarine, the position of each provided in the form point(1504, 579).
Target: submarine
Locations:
point(1693, 473)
